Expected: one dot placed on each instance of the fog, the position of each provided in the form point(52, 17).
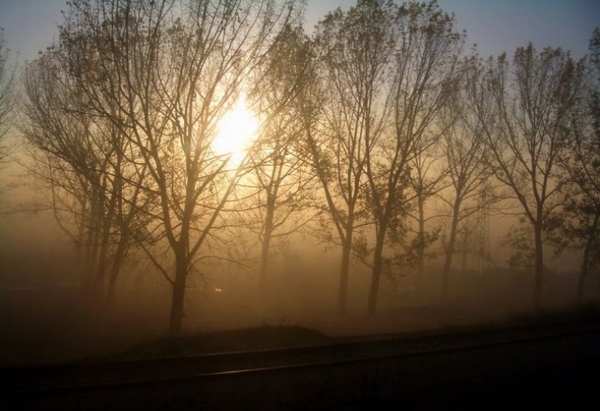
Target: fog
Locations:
point(45, 318)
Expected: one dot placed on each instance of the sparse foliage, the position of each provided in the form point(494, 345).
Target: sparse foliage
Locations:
point(468, 171)
point(355, 47)
point(581, 163)
point(7, 100)
point(83, 160)
point(525, 110)
point(279, 175)
point(162, 74)
point(422, 77)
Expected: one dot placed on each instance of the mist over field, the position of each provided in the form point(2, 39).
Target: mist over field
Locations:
point(45, 318)
point(169, 168)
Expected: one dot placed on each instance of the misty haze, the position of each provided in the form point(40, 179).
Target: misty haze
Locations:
point(183, 169)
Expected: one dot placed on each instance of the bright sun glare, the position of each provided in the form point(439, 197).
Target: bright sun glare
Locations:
point(236, 132)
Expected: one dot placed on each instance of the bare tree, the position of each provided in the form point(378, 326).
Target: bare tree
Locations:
point(82, 159)
point(425, 181)
point(468, 170)
point(173, 69)
point(7, 99)
point(279, 172)
point(524, 111)
point(581, 163)
point(424, 77)
point(355, 48)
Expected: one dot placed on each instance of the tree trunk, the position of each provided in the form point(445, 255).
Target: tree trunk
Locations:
point(463, 263)
point(344, 271)
point(115, 270)
point(264, 260)
point(583, 273)
point(585, 264)
point(261, 293)
point(87, 264)
point(100, 274)
point(266, 244)
point(449, 252)
point(539, 267)
point(91, 253)
point(112, 288)
point(421, 251)
point(376, 273)
point(345, 264)
point(177, 300)
point(117, 213)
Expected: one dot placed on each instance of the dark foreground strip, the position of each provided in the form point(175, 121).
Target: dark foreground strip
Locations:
point(352, 353)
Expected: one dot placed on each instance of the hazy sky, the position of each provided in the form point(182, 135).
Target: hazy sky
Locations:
point(495, 25)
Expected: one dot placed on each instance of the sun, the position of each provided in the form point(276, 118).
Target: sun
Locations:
point(236, 131)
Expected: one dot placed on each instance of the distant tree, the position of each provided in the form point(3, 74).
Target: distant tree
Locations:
point(279, 170)
point(7, 99)
point(426, 179)
point(354, 49)
point(82, 158)
point(524, 109)
point(464, 150)
point(421, 77)
point(581, 163)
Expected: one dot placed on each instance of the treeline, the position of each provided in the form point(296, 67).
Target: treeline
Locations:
point(365, 122)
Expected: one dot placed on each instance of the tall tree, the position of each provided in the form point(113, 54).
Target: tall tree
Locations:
point(82, 159)
point(173, 68)
point(423, 77)
point(525, 108)
point(581, 162)
point(279, 171)
point(355, 48)
point(7, 98)
point(426, 180)
point(464, 151)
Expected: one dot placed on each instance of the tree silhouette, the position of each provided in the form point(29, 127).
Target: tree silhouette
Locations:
point(164, 73)
point(7, 100)
point(82, 158)
point(279, 170)
point(426, 179)
point(581, 163)
point(423, 77)
point(469, 173)
point(354, 49)
point(524, 109)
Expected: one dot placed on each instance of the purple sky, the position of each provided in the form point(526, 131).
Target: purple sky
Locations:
point(495, 25)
